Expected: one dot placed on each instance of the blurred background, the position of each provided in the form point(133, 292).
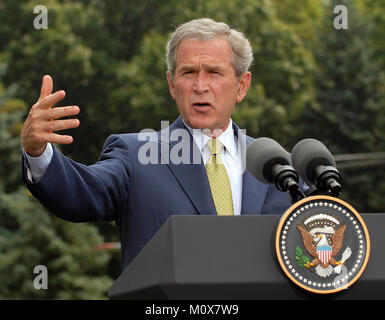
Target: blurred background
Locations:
point(309, 80)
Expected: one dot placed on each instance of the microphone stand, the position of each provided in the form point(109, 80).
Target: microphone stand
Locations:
point(286, 179)
point(293, 189)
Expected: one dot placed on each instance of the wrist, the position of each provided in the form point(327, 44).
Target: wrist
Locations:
point(35, 153)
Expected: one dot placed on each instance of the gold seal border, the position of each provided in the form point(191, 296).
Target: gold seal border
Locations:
point(290, 211)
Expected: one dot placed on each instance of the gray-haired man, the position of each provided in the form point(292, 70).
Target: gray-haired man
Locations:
point(207, 75)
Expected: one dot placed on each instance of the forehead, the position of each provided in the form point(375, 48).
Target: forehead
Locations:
point(192, 51)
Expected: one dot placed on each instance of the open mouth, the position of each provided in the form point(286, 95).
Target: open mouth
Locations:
point(201, 104)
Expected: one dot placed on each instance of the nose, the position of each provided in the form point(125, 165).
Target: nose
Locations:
point(200, 83)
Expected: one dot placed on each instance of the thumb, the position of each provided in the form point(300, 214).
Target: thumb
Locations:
point(46, 87)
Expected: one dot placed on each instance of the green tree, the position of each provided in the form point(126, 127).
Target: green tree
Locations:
point(116, 49)
point(374, 10)
point(350, 110)
point(31, 236)
point(304, 17)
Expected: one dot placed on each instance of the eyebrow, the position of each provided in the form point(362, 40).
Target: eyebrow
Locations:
point(194, 68)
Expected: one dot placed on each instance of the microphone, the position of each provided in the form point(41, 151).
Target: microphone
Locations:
point(269, 162)
point(317, 167)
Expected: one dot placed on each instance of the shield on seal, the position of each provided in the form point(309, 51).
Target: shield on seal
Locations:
point(324, 253)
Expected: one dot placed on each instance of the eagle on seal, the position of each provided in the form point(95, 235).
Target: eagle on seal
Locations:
point(323, 252)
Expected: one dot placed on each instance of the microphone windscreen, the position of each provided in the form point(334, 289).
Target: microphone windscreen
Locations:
point(307, 155)
point(261, 155)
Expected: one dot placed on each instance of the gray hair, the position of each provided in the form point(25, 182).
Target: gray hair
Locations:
point(206, 29)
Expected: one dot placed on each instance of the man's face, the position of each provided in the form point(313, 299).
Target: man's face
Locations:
point(205, 85)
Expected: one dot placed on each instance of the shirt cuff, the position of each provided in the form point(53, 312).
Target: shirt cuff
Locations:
point(37, 166)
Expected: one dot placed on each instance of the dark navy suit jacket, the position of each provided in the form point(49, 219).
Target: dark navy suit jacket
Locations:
point(140, 197)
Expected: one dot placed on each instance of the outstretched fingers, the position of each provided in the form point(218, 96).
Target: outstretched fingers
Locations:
point(60, 112)
point(46, 87)
point(55, 138)
point(48, 101)
point(43, 120)
point(59, 125)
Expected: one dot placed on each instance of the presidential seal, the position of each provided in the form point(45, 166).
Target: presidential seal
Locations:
point(322, 244)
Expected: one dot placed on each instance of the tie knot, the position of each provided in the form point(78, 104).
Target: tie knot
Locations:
point(215, 146)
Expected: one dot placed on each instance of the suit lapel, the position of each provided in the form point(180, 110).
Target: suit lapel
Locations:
point(253, 191)
point(192, 175)
point(193, 178)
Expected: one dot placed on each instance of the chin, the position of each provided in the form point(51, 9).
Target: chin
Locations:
point(200, 124)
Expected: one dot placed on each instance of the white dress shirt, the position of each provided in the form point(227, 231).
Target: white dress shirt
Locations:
point(37, 166)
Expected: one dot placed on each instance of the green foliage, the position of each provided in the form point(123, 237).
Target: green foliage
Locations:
point(142, 96)
point(302, 259)
point(350, 102)
point(374, 10)
point(11, 112)
point(117, 50)
point(30, 236)
point(302, 16)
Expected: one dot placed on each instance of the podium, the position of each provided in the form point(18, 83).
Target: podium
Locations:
point(231, 257)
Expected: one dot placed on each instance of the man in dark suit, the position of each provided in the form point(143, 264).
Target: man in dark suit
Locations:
point(194, 166)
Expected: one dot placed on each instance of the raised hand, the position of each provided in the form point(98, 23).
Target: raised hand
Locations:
point(42, 121)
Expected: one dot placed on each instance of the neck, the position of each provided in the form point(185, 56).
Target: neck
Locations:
point(210, 132)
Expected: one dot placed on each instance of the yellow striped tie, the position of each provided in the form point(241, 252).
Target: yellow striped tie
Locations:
point(219, 180)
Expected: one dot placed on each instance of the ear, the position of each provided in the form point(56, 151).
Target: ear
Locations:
point(170, 84)
point(244, 84)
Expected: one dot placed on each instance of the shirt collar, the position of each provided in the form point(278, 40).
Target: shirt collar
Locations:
point(227, 138)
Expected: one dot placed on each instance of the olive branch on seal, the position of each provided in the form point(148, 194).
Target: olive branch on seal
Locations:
point(303, 260)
